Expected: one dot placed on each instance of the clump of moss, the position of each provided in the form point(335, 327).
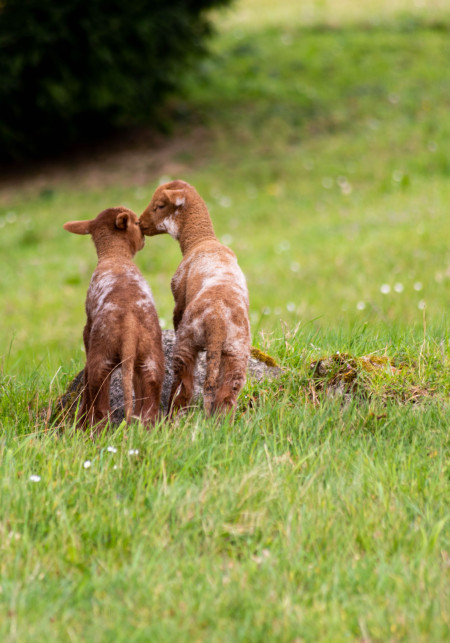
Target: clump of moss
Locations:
point(344, 373)
point(266, 359)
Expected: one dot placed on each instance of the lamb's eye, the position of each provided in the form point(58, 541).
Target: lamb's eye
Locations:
point(160, 206)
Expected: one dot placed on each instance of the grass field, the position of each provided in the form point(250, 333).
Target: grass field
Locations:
point(319, 138)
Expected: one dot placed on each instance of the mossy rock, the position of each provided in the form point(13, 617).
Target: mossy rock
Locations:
point(260, 366)
point(344, 374)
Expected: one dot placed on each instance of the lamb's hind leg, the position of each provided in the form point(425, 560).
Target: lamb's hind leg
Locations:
point(98, 385)
point(210, 386)
point(233, 373)
point(150, 378)
point(184, 357)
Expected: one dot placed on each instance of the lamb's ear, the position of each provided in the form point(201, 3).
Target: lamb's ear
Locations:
point(122, 220)
point(78, 227)
point(176, 197)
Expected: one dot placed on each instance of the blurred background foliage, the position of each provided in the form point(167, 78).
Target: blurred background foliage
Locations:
point(73, 69)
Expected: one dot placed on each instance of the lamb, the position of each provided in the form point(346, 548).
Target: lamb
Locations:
point(211, 300)
point(122, 327)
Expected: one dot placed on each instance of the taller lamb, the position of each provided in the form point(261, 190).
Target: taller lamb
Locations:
point(122, 327)
point(211, 300)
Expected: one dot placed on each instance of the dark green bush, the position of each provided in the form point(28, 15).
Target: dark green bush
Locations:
point(71, 69)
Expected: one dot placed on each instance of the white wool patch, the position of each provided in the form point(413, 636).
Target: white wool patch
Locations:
point(169, 225)
point(237, 334)
point(150, 366)
point(147, 295)
point(180, 200)
point(100, 287)
point(108, 308)
point(144, 303)
point(197, 328)
point(179, 275)
point(221, 272)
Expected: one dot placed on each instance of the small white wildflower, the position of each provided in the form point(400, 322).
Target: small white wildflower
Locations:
point(290, 306)
point(418, 286)
point(399, 287)
point(283, 246)
point(35, 478)
point(115, 467)
point(295, 267)
point(277, 310)
point(111, 450)
point(87, 464)
point(421, 305)
point(133, 452)
point(361, 305)
point(266, 311)
point(385, 289)
point(327, 182)
point(346, 188)
point(225, 202)
point(226, 239)
point(162, 322)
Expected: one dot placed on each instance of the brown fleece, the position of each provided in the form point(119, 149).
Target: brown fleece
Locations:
point(122, 327)
point(211, 299)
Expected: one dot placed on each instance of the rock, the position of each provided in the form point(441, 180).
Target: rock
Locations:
point(259, 368)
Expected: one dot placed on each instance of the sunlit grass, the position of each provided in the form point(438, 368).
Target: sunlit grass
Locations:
point(252, 15)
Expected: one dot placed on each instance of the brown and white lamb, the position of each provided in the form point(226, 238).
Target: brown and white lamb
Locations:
point(122, 327)
point(211, 300)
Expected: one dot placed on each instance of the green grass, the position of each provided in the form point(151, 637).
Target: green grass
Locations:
point(314, 516)
point(318, 522)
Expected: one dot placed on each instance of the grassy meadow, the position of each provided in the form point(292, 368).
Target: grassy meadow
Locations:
point(319, 138)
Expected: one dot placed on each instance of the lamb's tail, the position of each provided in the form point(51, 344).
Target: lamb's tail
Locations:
point(128, 358)
point(214, 348)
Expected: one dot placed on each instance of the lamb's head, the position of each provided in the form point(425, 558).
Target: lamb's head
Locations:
point(167, 209)
point(111, 227)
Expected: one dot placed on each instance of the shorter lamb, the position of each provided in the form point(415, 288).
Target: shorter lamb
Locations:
point(122, 327)
point(211, 300)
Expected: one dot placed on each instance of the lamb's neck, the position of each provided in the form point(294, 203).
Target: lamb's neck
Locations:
point(197, 229)
point(116, 251)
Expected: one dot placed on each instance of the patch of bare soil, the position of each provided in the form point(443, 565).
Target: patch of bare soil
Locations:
point(132, 158)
